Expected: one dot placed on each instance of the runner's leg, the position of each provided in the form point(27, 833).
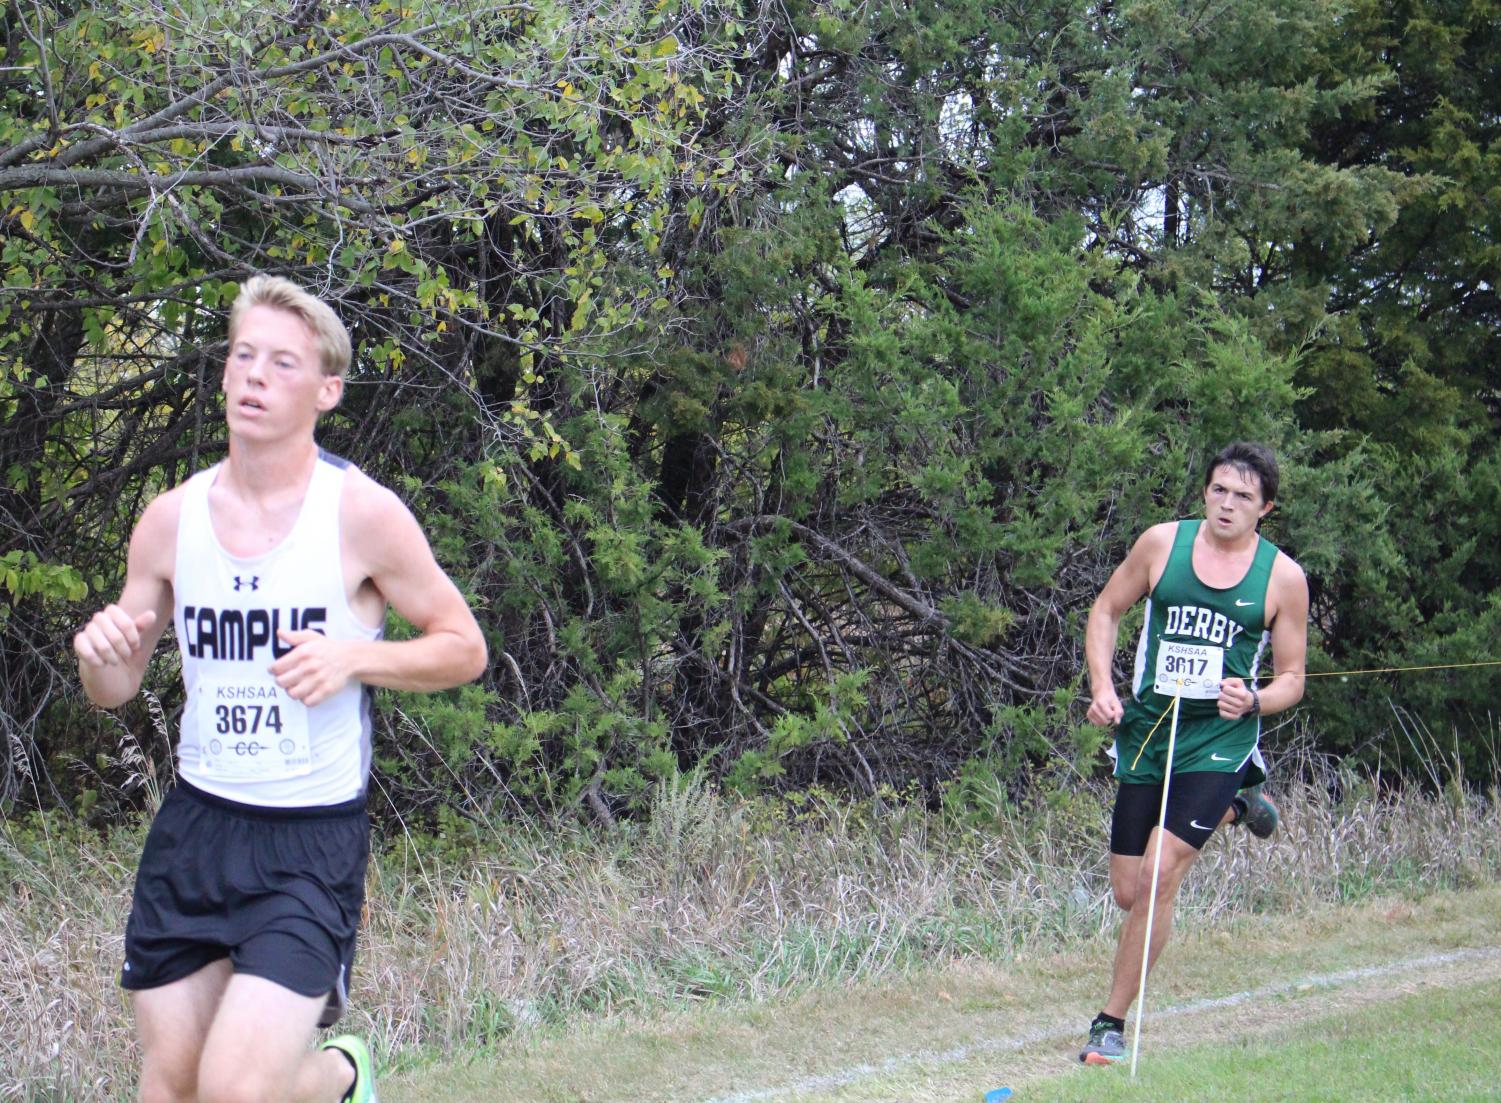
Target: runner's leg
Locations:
point(1196, 808)
point(1125, 871)
point(172, 1023)
point(259, 1048)
point(1177, 858)
point(1131, 823)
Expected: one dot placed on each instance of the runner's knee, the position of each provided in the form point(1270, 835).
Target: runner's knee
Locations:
point(236, 1083)
point(163, 1084)
point(169, 1061)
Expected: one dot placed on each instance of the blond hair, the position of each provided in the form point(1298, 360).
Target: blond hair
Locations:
point(334, 351)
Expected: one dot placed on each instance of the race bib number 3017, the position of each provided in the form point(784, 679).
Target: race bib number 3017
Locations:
point(1189, 670)
point(251, 731)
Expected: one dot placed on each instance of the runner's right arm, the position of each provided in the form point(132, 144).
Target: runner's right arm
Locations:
point(116, 643)
point(1130, 582)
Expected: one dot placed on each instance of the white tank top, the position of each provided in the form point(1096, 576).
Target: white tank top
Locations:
point(243, 737)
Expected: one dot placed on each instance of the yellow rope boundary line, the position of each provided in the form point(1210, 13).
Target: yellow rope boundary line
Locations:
point(1327, 674)
point(1395, 669)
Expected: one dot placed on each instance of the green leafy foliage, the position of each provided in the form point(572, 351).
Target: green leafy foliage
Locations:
point(779, 383)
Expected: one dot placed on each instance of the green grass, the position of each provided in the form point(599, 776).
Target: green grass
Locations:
point(771, 940)
point(948, 1034)
point(1437, 1046)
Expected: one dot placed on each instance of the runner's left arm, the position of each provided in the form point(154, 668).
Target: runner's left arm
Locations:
point(450, 649)
point(1289, 602)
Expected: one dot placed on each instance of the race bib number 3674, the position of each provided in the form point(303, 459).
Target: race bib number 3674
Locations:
point(1189, 670)
point(251, 731)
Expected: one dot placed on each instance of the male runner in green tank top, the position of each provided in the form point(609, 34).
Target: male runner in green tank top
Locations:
point(1217, 595)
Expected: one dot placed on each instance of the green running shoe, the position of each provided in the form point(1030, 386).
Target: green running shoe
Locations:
point(1257, 814)
point(363, 1089)
point(1106, 1045)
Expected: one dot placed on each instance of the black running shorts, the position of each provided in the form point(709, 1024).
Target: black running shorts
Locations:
point(277, 891)
point(1196, 802)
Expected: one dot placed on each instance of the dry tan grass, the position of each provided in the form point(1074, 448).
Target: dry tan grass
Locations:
point(953, 1031)
point(522, 929)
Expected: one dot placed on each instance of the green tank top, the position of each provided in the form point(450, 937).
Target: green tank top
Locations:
point(1195, 634)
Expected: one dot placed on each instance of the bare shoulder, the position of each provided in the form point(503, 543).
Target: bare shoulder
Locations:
point(153, 544)
point(1138, 572)
point(1287, 576)
point(1154, 545)
point(367, 500)
point(1287, 592)
point(375, 520)
point(1159, 536)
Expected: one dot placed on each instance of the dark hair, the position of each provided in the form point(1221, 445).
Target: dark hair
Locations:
point(1249, 458)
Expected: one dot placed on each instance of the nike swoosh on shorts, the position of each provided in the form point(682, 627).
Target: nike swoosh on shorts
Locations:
point(1200, 826)
point(1220, 758)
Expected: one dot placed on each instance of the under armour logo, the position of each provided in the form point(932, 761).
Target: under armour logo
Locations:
point(253, 583)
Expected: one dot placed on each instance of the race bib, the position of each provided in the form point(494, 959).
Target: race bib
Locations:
point(251, 730)
point(1189, 670)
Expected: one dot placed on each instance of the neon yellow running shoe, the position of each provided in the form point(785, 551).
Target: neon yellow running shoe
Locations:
point(358, 1054)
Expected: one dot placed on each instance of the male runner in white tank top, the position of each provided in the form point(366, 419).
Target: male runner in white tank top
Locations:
point(277, 566)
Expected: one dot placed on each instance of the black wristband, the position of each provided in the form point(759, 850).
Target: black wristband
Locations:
point(1255, 709)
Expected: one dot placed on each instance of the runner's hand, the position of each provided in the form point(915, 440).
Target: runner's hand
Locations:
point(111, 636)
point(1105, 708)
point(1235, 698)
point(314, 670)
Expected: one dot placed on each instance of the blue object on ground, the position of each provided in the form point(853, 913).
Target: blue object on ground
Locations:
point(996, 1095)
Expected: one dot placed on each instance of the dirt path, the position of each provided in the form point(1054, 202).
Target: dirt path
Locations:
point(950, 1034)
point(1034, 1055)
